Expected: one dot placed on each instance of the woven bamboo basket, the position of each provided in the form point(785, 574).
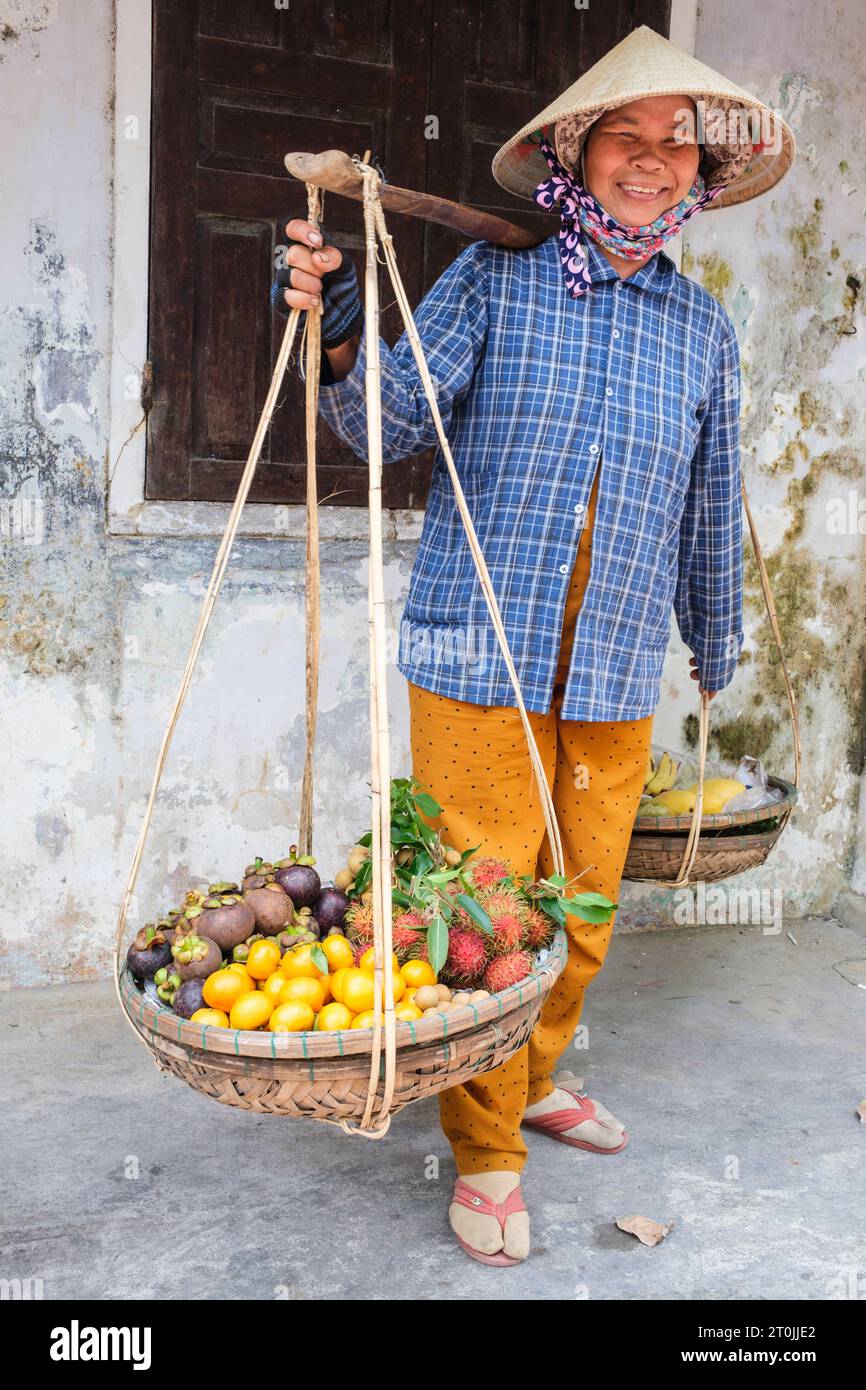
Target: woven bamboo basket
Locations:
point(676, 851)
point(325, 1076)
point(356, 1079)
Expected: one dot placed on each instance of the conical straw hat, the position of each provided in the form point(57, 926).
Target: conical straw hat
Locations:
point(644, 65)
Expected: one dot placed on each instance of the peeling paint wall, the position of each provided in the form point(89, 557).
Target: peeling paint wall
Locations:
point(790, 269)
point(93, 628)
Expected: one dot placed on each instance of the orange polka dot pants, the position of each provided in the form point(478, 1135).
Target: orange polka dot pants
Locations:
point(475, 762)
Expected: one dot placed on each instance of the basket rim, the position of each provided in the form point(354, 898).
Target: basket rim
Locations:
point(667, 844)
point(147, 1017)
point(652, 825)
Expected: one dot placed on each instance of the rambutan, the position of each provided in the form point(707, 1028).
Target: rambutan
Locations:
point(538, 930)
point(408, 943)
point(505, 971)
point(466, 958)
point(487, 871)
point(507, 914)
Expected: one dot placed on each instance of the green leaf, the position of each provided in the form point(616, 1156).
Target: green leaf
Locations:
point(363, 876)
point(442, 875)
point(475, 911)
point(426, 803)
point(588, 912)
point(365, 839)
point(437, 943)
point(592, 900)
point(422, 862)
point(559, 879)
point(318, 957)
point(401, 899)
point(554, 909)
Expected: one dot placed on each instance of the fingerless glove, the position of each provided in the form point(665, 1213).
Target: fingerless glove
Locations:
point(342, 311)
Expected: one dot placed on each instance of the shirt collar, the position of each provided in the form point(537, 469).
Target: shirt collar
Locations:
point(657, 275)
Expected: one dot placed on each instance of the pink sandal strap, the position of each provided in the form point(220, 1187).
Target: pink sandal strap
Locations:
point(558, 1121)
point(465, 1195)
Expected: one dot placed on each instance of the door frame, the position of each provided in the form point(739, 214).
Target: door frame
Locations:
point(128, 513)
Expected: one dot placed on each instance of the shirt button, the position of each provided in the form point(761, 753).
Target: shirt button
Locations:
point(616, 332)
point(563, 569)
point(618, 285)
point(609, 391)
point(593, 448)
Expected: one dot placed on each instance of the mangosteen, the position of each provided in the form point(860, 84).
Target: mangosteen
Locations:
point(168, 982)
point(304, 921)
point(149, 952)
point(298, 877)
point(271, 907)
point(241, 952)
point(188, 998)
point(256, 875)
point(195, 956)
point(330, 908)
point(222, 916)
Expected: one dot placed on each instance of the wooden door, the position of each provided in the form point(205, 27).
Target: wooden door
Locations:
point(432, 88)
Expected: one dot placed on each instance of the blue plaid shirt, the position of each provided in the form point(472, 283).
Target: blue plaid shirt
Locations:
point(536, 391)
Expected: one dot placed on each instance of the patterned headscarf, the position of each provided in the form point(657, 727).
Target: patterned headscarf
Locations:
point(581, 213)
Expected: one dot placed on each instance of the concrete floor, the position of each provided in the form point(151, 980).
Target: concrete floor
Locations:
point(735, 1059)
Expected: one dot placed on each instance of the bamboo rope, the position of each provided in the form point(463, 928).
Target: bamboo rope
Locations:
point(313, 598)
point(777, 635)
point(474, 546)
point(691, 847)
point(380, 757)
point(219, 568)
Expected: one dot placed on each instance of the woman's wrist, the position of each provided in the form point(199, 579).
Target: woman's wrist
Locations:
point(343, 357)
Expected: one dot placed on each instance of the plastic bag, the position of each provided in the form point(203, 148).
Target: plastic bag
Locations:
point(751, 773)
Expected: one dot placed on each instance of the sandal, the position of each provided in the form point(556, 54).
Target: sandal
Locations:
point(468, 1196)
point(558, 1121)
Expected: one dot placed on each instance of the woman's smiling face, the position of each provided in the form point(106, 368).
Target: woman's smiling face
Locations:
point(634, 163)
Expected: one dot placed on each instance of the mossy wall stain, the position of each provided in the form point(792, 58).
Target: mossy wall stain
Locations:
point(715, 273)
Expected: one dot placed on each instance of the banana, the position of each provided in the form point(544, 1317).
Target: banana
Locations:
point(665, 776)
point(650, 770)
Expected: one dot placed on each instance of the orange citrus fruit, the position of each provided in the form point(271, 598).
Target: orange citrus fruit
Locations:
point(297, 963)
point(334, 1016)
point(212, 1018)
point(252, 1010)
point(367, 961)
point(302, 991)
point(273, 986)
point(243, 972)
point(338, 951)
point(336, 983)
point(364, 1020)
point(263, 959)
point(407, 1013)
point(222, 988)
point(358, 991)
point(417, 973)
point(293, 1017)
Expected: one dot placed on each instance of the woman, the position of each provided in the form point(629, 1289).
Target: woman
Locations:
point(590, 394)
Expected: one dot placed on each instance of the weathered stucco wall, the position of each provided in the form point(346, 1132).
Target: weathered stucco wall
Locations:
point(93, 628)
point(790, 269)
